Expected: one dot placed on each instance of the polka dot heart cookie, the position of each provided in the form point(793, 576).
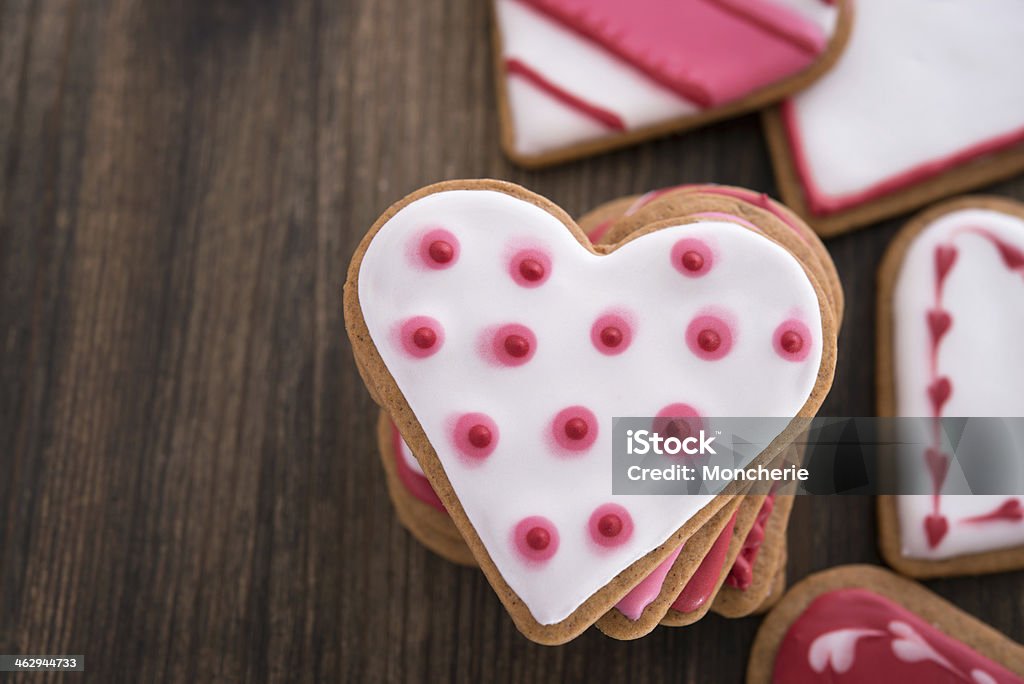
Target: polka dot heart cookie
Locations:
point(743, 540)
point(950, 319)
point(510, 418)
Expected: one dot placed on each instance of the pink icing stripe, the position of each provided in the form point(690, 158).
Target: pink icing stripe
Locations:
point(633, 604)
point(788, 26)
point(415, 484)
point(697, 591)
point(607, 118)
point(822, 204)
point(700, 50)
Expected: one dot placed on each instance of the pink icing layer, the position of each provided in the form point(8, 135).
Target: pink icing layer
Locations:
point(414, 483)
point(855, 635)
point(632, 604)
point(697, 591)
point(708, 52)
point(822, 204)
point(741, 575)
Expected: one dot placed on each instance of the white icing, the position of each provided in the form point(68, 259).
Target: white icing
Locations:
point(910, 647)
point(980, 354)
point(759, 282)
point(591, 73)
point(822, 13)
point(919, 81)
point(837, 649)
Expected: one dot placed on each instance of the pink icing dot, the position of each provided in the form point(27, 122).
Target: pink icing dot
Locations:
point(679, 421)
point(709, 337)
point(611, 525)
point(513, 344)
point(536, 538)
point(611, 334)
point(530, 267)
point(421, 336)
point(574, 428)
point(692, 257)
point(439, 248)
point(792, 340)
point(475, 435)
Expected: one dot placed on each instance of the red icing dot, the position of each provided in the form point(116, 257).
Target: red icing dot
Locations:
point(512, 345)
point(475, 436)
point(693, 261)
point(709, 337)
point(679, 421)
point(530, 267)
point(536, 538)
point(709, 340)
point(692, 257)
point(439, 248)
point(610, 525)
point(574, 428)
point(611, 334)
point(531, 270)
point(479, 436)
point(421, 336)
point(424, 337)
point(517, 346)
point(441, 251)
point(792, 340)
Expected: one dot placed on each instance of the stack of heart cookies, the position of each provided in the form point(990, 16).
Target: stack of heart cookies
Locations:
point(500, 338)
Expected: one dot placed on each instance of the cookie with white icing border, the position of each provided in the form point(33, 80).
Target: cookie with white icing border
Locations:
point(579, 77)
point(860, 623)
point(502, 234)
point(421, 512)
point(648, 602)
point(951, 287)
point(885, 131)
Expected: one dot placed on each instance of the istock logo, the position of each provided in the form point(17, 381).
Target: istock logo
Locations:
point(643, 442)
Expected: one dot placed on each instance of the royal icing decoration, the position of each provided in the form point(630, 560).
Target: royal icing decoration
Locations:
point(855, 635)
point(741, 575)
point(698, 589)
point(579, 70)
point(958, 318)
point(531, 487)
point(922, 87)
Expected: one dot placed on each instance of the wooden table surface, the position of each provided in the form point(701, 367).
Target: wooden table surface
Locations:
point(188, 485)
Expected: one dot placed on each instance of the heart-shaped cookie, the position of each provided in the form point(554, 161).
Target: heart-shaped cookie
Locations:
point(502, 343)
point(951, 314)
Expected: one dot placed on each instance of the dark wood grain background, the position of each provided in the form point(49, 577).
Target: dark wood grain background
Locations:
point(188, 486)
